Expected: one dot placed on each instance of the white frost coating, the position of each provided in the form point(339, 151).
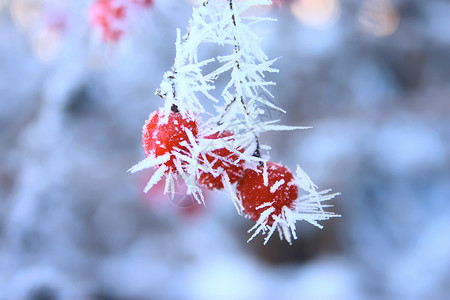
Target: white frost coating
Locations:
point(190, 181)
point(247, 89)
point(232, 193)
point(170, 185)
point(260, 225)
point(150, 161)
point(181, 85)
point(265, 175)
point(159, 173)
point(308, 207)
point(239, 109)
point(284, 127)
point(276, 185)
point(271, 231)
point(304, 182)
point(267, 204)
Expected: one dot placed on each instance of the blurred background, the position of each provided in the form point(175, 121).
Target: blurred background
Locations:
point(371, 77)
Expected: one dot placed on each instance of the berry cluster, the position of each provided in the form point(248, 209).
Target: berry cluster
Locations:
point(267, 193)
point(224, 152)
point(109, 16)
point(167, 135)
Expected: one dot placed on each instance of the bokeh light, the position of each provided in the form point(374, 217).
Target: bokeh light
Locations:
point(316, 13)
point(26, 13)
point(379, 17)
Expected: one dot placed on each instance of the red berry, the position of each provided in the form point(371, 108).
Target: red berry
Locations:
point(105, 14)
point(162, 134)
point(257, 197)
point(222, 159)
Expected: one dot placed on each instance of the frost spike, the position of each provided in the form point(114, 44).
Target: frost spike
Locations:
point(149, 162)
point(159, 173)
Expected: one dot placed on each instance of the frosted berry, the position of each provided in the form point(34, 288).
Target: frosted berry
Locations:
point(162, 134)
point(257, 197)
point(222, 160)
point(107, 15)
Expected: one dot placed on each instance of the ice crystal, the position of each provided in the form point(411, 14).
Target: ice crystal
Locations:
point(239, 110)
point(308, 207)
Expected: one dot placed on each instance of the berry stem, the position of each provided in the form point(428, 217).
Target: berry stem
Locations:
point(257, 152)
point(174, 108)
point(239, 84)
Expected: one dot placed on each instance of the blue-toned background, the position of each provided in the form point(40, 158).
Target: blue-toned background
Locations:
point(371, 77)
